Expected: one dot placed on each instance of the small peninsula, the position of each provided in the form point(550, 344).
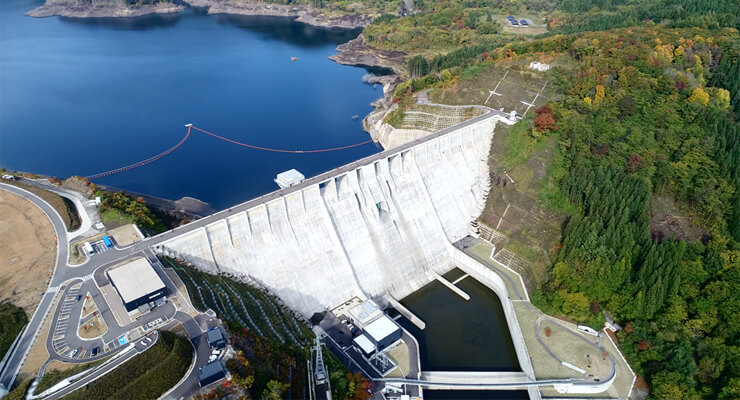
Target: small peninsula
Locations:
point(349, 17)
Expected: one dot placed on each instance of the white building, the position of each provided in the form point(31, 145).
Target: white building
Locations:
point(383, 332)
point(539, 66)
point(364, 313)
point(137, 283)
point(289, 178)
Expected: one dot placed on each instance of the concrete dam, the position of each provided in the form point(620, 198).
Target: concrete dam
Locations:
point(380, 226)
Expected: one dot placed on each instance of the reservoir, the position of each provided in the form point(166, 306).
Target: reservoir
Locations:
point(461, 335)
point(82, 96)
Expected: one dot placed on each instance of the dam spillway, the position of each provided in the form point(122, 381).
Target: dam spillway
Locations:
point(381, 225)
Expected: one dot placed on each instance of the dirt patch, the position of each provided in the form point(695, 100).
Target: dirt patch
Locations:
point(65, 207)
point(506, 86)
point(93, 328)
point(56, 365)
point(38, 354)
point(125, 235)
point(27, 249)
point(667, 220)
point(81, 185)
point(640, 390)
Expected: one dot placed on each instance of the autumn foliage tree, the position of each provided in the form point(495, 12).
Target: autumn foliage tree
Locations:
point(544, 121)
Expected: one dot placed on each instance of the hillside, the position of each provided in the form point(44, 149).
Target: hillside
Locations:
point(626, 179)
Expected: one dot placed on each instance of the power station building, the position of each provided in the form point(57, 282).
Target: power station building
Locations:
point(383, 332)
point(137, 283)
point(378, 329)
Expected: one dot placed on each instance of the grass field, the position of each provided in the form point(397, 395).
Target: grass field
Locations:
point(114, 218)
point(146, 376)
point(19, 393)
point(12, 320)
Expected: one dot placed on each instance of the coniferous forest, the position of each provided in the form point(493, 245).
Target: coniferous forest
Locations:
point(647, 106)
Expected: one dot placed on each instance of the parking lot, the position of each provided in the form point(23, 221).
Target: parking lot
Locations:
point(63, 322)
point(99, 247)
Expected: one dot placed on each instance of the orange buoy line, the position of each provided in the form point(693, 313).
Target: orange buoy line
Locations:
point(142, 163)
point(191, 127)
point(280, 150)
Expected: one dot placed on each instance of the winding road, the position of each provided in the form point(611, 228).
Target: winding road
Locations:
point(88, 278)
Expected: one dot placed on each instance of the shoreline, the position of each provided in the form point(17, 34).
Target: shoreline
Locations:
point(391, 65)
point(358, 53)
point(113, 9)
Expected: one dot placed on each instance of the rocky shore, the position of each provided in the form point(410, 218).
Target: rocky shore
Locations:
point(118, 8)
point(100, 8)
point(358, 52)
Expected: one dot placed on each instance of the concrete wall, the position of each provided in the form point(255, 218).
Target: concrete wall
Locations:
point(380, 228)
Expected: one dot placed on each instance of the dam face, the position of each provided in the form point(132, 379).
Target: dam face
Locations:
point(381, 227)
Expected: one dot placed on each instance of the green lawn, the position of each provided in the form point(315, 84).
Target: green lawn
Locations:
point(146, 376)
point(12, 320)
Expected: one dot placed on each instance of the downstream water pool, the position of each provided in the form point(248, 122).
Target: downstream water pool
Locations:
point(81, 96)
point(461, 335)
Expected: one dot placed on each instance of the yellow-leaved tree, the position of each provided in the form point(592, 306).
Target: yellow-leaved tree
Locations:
point(699, 96)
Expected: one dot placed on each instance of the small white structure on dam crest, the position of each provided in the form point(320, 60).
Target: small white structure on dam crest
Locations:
point(289, 178)
point(378, 229)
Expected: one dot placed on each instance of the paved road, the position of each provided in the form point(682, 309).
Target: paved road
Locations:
point(64, 278)
point(202, 350)
point(98, 263)
point(106, 368)
point(19, 354)
point(467, 242)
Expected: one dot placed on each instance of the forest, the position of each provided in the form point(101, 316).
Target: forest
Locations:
point(648, 98)
point(118, 205)
point(650, 111)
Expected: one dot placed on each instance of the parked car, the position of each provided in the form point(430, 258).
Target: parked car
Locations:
point(95, 351)
point(143, 343)
point(73, 353)
point(78, 298)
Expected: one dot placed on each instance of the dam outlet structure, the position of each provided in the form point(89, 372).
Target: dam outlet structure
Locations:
point(382, 226)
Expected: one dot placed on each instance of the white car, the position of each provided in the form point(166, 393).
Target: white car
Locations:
point(143, 343)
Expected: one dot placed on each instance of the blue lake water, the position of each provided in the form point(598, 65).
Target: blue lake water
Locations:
point(81, 96)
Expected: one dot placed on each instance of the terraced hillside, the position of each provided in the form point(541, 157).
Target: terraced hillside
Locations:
point(242, 306)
